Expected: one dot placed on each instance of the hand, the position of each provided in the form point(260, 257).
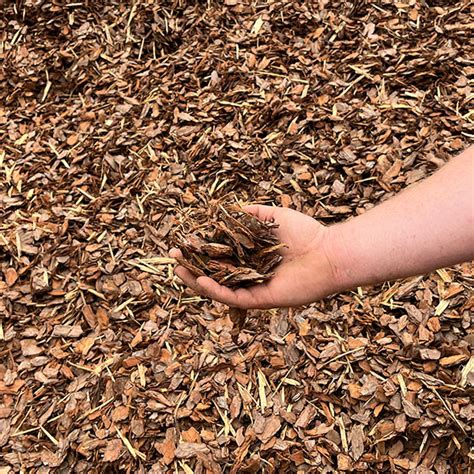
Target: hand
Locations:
point(303, 276)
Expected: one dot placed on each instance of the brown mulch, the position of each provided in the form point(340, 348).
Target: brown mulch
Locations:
point(116, 118)
point(228, 244)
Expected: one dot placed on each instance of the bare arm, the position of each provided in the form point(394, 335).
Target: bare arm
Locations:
point(427, 226)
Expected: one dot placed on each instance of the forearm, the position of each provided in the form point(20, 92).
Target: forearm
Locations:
point(427, 226)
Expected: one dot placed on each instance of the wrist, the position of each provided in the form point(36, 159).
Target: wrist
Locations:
point(336, 253)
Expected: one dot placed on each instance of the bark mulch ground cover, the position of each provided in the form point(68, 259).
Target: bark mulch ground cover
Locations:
point(118, 119)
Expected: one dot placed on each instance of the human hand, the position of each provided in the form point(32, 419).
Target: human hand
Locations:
point(303, 276)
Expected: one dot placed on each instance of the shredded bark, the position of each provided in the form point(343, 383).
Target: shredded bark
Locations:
point(229, 245)
point(119, 118)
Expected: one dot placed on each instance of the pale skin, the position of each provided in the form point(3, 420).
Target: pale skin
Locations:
point(427, 226)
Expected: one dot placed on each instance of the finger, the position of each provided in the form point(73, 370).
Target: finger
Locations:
point(217, 292)
point(187, 278)
point(175, 253)
point(270, 214)
point(182, 272)
point(255, 297)
point(205, 286)
point(264, 213)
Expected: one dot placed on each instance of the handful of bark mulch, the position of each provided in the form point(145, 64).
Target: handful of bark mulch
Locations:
point(229, 245)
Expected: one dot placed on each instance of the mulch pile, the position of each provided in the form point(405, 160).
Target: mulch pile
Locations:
point(118, 118)
point(229, 245)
